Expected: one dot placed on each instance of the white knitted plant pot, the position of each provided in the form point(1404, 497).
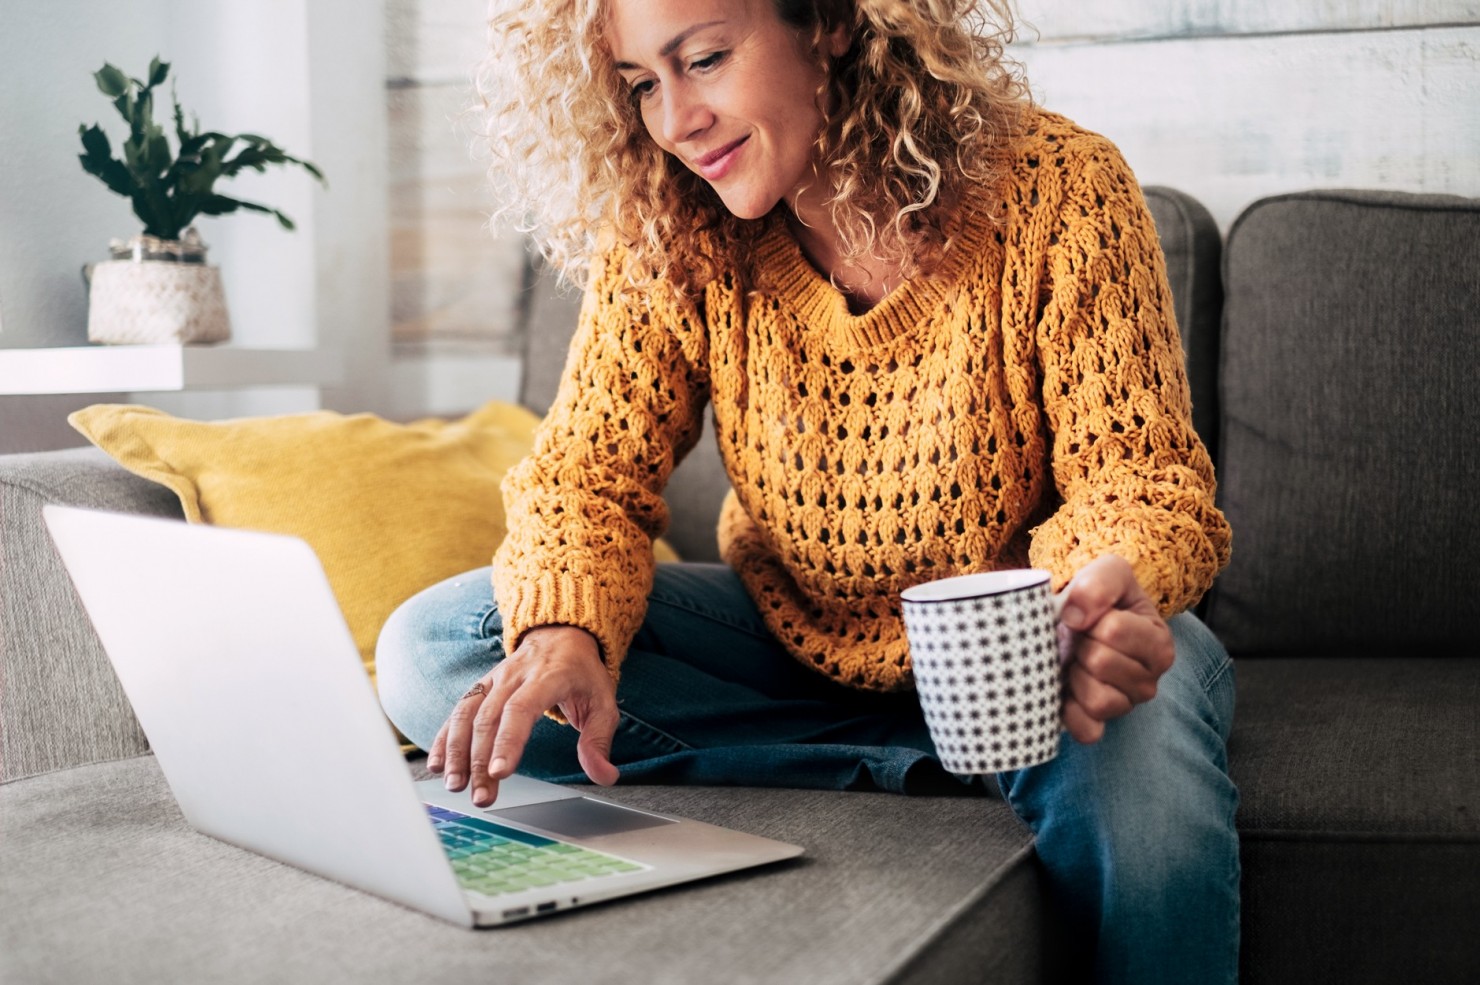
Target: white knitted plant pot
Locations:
point(156, 302)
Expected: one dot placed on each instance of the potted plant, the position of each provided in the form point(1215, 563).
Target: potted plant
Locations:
point(157, 286)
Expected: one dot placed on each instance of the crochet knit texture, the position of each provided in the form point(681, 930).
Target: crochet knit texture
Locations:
point(1026, 404)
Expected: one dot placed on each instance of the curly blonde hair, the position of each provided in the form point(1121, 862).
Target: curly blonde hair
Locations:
point(914, 115)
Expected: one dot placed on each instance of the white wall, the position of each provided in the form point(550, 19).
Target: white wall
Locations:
point(309, 74)
point(53, 216)
point(1232, 100)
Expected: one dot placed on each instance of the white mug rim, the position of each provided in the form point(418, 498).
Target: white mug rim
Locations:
point(1019, 579)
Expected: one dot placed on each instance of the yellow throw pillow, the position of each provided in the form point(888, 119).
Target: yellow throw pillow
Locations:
point(389, 508)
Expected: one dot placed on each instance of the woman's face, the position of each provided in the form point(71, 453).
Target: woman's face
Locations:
point(729, 89)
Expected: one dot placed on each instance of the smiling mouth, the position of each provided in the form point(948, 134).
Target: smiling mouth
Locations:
point(716, 163)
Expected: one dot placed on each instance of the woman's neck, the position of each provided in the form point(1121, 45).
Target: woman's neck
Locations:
point(864, 281)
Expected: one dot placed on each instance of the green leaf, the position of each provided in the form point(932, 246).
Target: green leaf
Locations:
point(112, 173)
point(97, 160)
point(169, 188)
point(158, 156)
point(249, 157)
point(158, 221)
point(190, 146)
point(221, 205)
point(181, 134)
point(111, 81)
point(143, 113)
point(95, 141)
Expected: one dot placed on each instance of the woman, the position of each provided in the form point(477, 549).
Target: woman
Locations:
point(933, 329)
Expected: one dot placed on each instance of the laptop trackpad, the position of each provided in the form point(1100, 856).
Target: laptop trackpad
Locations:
point(581, 817)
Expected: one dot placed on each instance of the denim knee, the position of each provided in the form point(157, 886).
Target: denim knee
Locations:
point(1141, 824)
point(432, 649)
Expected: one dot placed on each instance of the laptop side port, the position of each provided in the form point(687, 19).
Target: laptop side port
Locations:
point(545, 907)
point(518, 911)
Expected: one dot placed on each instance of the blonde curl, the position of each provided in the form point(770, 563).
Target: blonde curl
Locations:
point(916, 114)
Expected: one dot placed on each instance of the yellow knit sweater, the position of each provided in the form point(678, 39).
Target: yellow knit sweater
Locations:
point(1024, 405)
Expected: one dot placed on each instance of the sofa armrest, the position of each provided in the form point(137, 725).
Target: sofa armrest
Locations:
point(60, 703)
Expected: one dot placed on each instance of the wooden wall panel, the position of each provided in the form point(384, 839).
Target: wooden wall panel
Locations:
point(1233, 119)
point(1058, 20)
point(434, 41)
point(454, 280)
point(1228, 99)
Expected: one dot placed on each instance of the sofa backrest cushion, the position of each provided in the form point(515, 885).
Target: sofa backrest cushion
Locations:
point(1193, 247)
point(1351, 425)
point(60, 703)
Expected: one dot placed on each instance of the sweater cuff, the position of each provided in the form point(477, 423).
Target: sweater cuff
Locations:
point(559, 599)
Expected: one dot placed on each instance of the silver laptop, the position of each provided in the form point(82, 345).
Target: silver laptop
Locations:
point(244, 677)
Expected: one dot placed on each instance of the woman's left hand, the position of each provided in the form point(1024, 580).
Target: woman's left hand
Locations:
point(1121, 646)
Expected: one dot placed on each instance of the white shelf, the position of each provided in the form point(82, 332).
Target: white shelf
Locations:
point(142, 368)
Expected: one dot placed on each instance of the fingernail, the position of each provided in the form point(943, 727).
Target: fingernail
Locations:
point(1073, 616)
point(480, 796)
point(435, 765)
point(497, 766)
point(454, 780)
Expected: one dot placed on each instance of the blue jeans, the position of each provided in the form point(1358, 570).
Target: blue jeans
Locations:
point(1135, 832)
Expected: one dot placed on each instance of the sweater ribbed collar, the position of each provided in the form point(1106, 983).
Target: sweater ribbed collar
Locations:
point(789, 275)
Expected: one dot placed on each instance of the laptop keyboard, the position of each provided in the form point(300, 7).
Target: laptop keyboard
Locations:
point(494, 859)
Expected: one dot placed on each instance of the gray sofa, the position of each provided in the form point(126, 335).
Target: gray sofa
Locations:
point(1332, 356)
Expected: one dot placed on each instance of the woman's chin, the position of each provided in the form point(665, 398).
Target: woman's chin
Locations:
point(746, 207)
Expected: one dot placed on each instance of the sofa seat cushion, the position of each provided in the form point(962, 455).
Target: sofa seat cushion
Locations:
point(1359, 781)
point(1358, 747)
point(104, 881)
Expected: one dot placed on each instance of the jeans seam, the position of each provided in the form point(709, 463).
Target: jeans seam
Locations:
point(631, 720)
point(482, 624)
point(1218, 675)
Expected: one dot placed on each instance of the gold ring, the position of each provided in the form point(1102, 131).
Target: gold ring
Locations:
point(476, 689)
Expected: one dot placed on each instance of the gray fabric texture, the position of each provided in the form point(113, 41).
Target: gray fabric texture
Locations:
point(1351, 333)
point(1007, 933)
point(1359, 781)
point(1377, 748)
point(699, 483)
point(1351, 912)
point(882, 878)
point(60, 703)
point(1193, 248)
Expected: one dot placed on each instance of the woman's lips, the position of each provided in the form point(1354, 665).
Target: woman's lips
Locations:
point(716, 164)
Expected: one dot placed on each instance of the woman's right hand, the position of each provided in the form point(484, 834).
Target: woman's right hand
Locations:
point(553, 667)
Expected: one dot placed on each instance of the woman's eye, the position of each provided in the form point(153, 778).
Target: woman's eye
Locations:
point(708, 61)
point(641, 89)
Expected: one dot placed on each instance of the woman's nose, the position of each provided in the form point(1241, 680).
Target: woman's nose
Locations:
point(684, 114)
